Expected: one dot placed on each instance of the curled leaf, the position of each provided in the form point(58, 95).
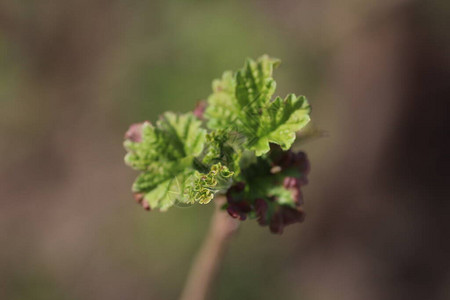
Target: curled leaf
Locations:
point(203, 187)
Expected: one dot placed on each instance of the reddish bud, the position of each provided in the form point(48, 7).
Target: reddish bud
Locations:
point(293, 184)
point(237, 206)
point(239, 210)
point(199, 109)
point(138, 197)
point(145, 205)
point(285, 216)
point(261, 211)
point(134, 133)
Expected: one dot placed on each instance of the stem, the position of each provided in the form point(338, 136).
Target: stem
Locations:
point(207, 264)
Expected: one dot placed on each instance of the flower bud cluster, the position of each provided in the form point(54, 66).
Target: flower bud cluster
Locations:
point(277, 204)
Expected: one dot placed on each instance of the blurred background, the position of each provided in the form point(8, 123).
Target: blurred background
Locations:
point(75, 73)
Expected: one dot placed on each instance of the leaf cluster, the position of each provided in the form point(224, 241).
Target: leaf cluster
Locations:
point(237, 144)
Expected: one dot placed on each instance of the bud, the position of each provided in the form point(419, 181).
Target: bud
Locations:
point(261, 211)
point(145, 205)
point(139, 197)
point(134, 133)
point(293, 184)
point(285, 216)
point(199, 109)
point(239, 210)
point(237, 207)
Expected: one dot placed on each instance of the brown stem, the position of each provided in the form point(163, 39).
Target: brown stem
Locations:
point(207, 264)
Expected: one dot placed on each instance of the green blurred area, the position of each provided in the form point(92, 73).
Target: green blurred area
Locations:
point(191, 43)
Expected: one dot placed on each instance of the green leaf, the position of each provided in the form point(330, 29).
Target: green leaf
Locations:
point(242, 103)
point(170, 191)
point(222, 109)
point(254, 83)
point(165, 154)
point(222, 147)
point(278, 123)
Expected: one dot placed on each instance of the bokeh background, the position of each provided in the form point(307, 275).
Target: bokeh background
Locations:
point(75, 73)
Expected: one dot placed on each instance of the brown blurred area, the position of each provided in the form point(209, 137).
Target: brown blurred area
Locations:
point(74, 74)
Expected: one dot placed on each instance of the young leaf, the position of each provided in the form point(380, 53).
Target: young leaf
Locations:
point(222, 108)
point(278, 123)
point(254, 83)
point(165, 153)
point(203, 186)
point(222, 147)
point(243, 103)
